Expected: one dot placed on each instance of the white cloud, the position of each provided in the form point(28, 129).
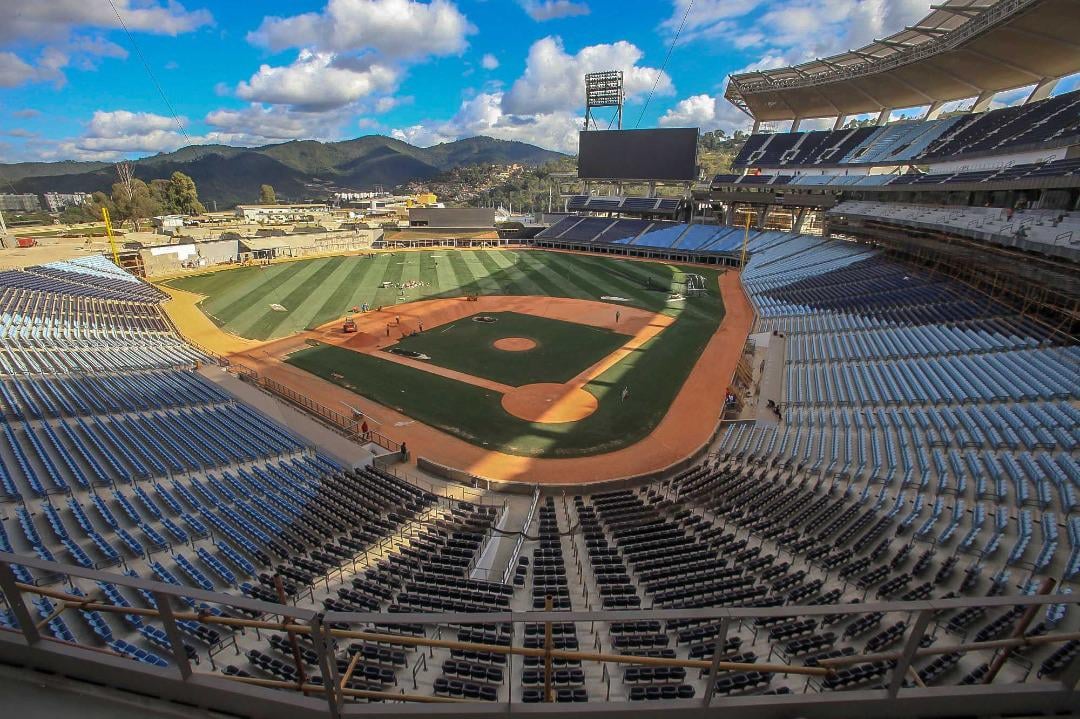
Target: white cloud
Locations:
point(786, 32)
point(707, 18)
point(318, 81)
point(543, 106)
point(706, 112)
point(54, 19)
point(15, 71)
point(552, 80)
point(261, 125)
point(116, 134)
point(484, 115)
point(53, 25)
point(392, 28)
point(543, 10)
point(489, 62)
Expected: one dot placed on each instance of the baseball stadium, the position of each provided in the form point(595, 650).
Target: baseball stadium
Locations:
point(801, 439)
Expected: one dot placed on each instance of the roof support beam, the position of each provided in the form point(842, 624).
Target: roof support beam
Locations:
point(839, 122)
point(1042, 90)
point(795, 124)
point(924, 30)
point(982, 102)
point(953, 75)
point(883, 116)
point(934, 111)
point(1041, 36)
point(1035, 76)
point(894, 43)
point(895, 77)
point(962, 11)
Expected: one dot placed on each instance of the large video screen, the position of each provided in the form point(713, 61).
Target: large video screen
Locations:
point(669, 154)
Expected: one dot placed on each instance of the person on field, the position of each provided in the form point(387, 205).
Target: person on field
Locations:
point(625, 393)
point(404, 452)
point(364, 429)
point(617, 316)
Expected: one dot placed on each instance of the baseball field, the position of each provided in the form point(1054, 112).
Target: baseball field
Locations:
point(528, 353)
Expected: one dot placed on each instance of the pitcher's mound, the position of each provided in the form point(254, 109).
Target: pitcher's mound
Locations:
point(549, 403)
point(515, 344)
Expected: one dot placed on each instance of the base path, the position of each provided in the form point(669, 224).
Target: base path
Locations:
point(688, 425)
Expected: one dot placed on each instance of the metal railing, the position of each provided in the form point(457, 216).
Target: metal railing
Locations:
point(988, 18)
point(327, 697)
point(508, 575)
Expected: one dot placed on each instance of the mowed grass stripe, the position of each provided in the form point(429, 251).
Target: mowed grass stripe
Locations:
point(246, 292)
point(367, 281)
point(389, 296)
point(337, 302)
point(310, 313)
point(266, 291)
point(488, 284)
point(500, 276)
point(256, 303)
point(520, 283)
point(595, 284)
point(545, 276)
point(448, 281)
point(467, 282)
point(292, 296)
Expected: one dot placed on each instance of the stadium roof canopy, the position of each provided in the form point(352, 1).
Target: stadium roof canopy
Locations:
point(962, 49)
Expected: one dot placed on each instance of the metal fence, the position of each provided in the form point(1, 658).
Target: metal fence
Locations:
point(331, 695)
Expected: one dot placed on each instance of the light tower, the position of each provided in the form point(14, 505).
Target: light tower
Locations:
point(604, 89)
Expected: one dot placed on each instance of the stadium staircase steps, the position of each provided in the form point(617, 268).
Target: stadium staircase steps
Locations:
point(393, 543)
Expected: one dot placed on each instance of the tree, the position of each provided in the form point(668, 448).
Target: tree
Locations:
point(131, 197)
point(267, 196)
point(159, 190)
point(133, 202)
point(183, 196)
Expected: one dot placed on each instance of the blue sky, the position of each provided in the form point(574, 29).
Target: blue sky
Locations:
point(73, 84)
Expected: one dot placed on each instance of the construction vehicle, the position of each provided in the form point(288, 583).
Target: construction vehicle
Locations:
point(349, 325)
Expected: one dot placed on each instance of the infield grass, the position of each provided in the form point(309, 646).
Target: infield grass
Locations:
point(563, 349)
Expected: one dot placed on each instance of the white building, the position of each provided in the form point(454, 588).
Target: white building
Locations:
point(166, 224)
point(20, 203)
point(279, 213)
point(57, 201)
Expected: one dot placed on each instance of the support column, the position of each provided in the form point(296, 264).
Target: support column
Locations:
point(795, 124)
point(934, 111)
point(1042, 90)
point(883, 116)
point(982, 102)
point(800, 220)
point(757, 126)
point(839, 122)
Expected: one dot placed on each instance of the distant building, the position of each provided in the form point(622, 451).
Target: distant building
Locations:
point(20, 203)
point(57, 201)
point(279, 213)
point(167, 224)
point(452, 217)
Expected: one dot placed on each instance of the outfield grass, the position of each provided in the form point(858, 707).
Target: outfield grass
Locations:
point(563, 349)
point(318, 291)
point(654, 374)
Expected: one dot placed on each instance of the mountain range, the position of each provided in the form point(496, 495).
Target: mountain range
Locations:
point(229, 176)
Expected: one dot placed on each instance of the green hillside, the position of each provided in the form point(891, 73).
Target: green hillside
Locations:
point(233, 175)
